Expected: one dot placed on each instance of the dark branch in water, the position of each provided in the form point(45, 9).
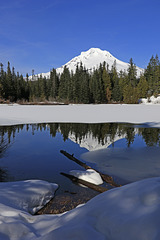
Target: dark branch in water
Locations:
point(85, 183)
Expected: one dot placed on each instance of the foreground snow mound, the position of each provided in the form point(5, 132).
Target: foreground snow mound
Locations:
point(130, 212)
point(30, 195)
point(89, 175)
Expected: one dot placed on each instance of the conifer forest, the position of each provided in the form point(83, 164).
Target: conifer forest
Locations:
point(98, 86)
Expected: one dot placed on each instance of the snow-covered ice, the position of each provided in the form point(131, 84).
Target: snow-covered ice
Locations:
point(129, 164)
point(103, 113)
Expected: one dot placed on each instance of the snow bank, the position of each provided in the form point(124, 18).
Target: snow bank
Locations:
point(89, 175)
point(20, 114)
point(129, 212)
point(151, 100)
point(29, 195)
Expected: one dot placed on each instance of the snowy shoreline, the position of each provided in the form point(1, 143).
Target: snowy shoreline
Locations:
point(129, 212)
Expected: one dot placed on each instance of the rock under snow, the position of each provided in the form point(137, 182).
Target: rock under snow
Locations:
point(89, 175)
point(29, 195)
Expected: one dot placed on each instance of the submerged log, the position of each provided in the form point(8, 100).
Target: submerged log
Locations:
point(105, 177)
point(85, 183)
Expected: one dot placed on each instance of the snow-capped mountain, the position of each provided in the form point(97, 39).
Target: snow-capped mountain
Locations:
point(91, 59)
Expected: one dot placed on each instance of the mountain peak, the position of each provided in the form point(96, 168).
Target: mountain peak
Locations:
point(95, 51)
point(91, 59)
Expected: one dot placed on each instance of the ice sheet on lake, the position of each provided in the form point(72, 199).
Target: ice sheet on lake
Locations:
point(127, 163)
point(102, 113)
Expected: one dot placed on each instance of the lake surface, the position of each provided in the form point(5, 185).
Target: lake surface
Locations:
point(127, 152)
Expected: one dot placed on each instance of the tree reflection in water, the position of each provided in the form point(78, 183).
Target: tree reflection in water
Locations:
point(4, 144)
point(103, 132)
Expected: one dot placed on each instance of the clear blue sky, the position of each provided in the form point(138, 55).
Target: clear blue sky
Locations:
point(42, 34)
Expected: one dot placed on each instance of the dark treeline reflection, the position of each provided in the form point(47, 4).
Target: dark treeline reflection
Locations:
point(103, 132)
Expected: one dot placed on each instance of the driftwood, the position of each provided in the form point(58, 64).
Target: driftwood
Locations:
point(85, 183)
point(108, 179)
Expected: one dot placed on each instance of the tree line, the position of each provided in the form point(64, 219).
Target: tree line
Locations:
point(102, 85)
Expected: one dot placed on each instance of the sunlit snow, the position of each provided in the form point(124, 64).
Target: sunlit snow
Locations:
point(82, 113)
point(89, 175)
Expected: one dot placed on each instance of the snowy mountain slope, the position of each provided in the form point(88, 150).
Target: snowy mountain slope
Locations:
point(91, 59)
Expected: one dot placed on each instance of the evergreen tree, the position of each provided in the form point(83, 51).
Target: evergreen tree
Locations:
point(64, 84)
point(41, 94)
point(132, 73)
point(97, 86)
point(53, 85)
point(106, 81)
point(18, 89)
point(21, 83)
point(70, 87)
point(116, 91)
point(77, 83)
point(94, 86)
point(1, 81)
point(85, 92)
point(130, 94)
point(123, 82)
point(156, 77)
point(9, 85)
point(152, 74)
point(101, 85)
point(27, 87)
point(142, 87)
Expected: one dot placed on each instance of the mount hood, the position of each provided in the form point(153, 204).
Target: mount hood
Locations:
point(91, 59)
